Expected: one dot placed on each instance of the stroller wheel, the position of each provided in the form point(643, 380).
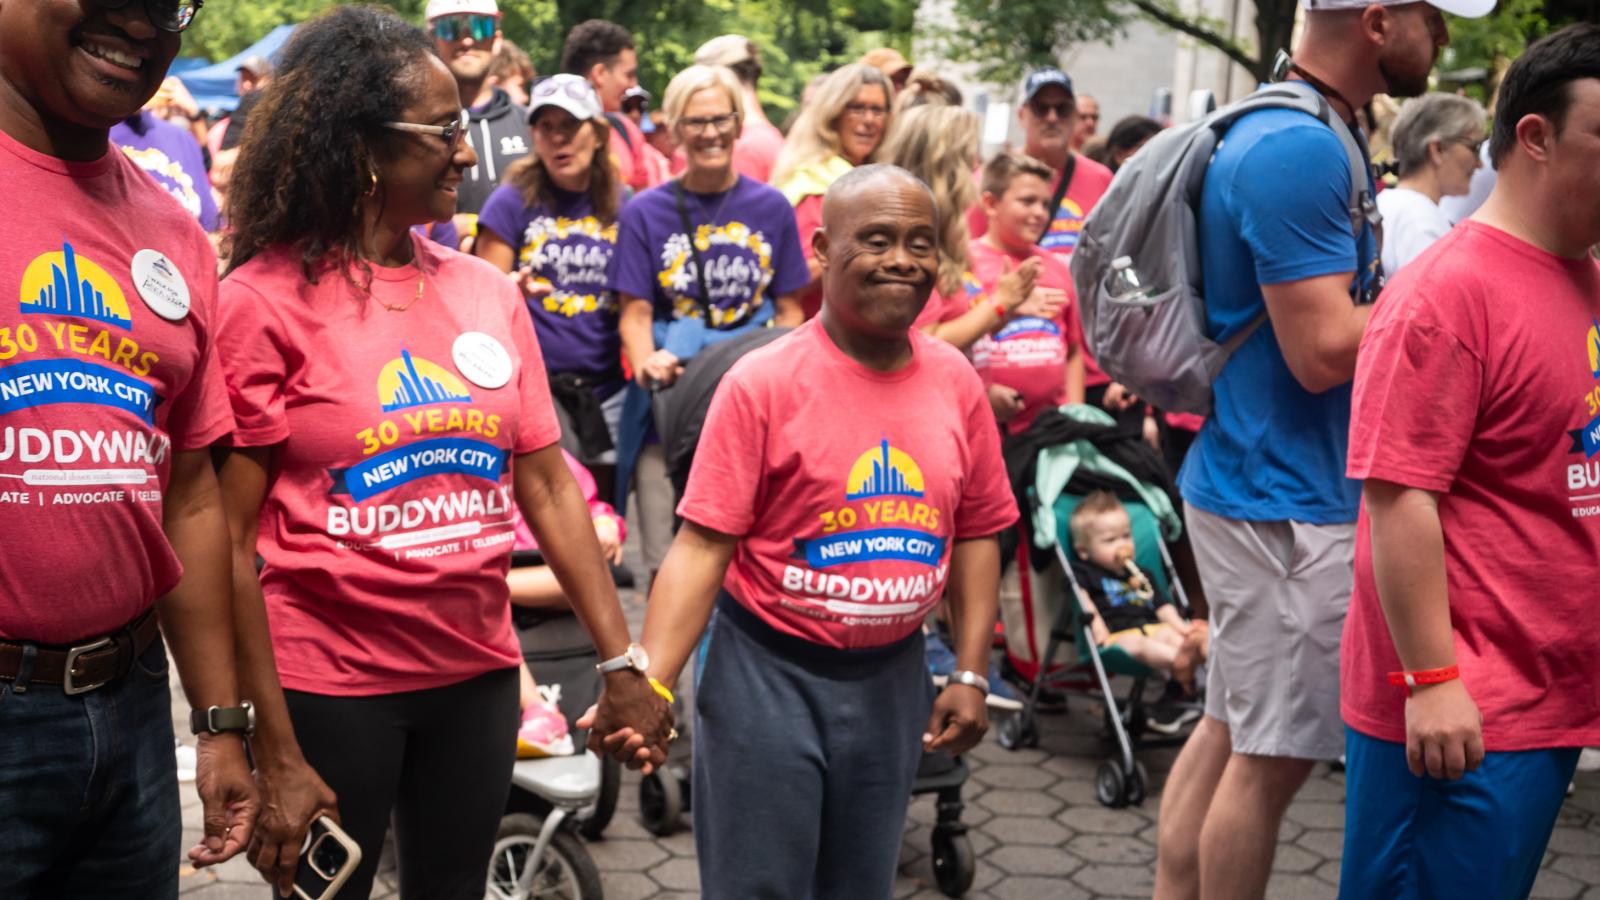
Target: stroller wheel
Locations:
point(593, 824)
point(1110, 786)
point(515, 873)
point(1018, 731)
point(661, 801)
point(1138, 781)
point(953, 863)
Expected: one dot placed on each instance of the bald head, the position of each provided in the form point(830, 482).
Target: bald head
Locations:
point(878, 246)
point(857, 185)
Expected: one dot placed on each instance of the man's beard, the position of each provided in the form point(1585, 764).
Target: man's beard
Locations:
point(1403, 85)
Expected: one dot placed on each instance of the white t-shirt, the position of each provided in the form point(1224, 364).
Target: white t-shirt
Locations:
point(1411, 223)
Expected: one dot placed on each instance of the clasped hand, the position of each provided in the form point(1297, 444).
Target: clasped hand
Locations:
point(631, 723)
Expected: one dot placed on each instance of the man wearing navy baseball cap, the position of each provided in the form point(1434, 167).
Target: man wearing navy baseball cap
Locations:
point(1270, 513)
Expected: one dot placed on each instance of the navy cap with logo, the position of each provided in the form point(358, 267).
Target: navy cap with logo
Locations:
point(1042, 79)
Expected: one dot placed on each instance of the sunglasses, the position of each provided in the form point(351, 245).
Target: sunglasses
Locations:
point(167, 15)
point(1042, 109)
point(451, 133)
point(455, 28)
point(573, 87)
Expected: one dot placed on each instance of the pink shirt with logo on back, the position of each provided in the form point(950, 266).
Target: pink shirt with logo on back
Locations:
point(388, 524)
point(107, 318)
point(847, 486)
point(1479, 379)
point(1028, 353)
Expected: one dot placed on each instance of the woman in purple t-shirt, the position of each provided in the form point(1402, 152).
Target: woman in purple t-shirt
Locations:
point(553, 225)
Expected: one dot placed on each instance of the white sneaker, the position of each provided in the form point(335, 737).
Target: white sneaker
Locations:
point(1589, 760)
point(187, 760)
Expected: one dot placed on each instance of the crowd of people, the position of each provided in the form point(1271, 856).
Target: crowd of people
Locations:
point(283, 391)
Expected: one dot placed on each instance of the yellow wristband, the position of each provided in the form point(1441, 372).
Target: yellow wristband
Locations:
point(662, 690)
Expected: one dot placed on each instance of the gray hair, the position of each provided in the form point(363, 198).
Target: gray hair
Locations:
point(1429, 118)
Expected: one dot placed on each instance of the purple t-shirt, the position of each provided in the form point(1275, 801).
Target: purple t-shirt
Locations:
point(173, 158)
point(568, 248)
point(746, 236)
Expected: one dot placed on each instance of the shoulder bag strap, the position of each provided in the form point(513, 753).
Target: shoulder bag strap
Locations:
point(694, 249)
point(1061, 193)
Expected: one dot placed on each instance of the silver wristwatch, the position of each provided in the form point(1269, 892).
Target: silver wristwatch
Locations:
point(970, 679)
point(633, 658)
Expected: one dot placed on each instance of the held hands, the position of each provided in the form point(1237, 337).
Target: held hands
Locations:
point(1005, 401)
point(1015, 285)
point(610, 538)
point(1043, 303)
point(958, 722)
point(229, 798)
point(660, 369)
point(1444, 731)
point(292, 796)
point(631, 723)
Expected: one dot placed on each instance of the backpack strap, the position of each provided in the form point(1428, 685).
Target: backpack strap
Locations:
point(615, 121)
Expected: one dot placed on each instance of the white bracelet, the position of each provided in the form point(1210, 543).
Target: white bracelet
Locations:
point(970, 679)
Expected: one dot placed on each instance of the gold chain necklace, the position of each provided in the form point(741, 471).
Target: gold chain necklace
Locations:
point(421, 281)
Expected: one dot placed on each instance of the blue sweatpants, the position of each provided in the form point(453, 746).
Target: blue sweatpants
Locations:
point(1482, 836)
point(804, 757)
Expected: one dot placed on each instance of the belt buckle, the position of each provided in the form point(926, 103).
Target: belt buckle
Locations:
point(69, 684)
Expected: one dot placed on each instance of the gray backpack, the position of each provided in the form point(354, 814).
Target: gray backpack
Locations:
point(1154, 340)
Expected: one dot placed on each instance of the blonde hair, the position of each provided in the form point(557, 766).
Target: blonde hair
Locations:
point(693, 80)
point(815, 135)
point(1097, 504)
point(939, 144)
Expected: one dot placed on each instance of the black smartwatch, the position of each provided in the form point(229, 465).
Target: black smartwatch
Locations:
point(223, 719)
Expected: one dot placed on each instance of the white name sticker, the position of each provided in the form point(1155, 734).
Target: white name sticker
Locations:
point(482, 359)
point(160, 285)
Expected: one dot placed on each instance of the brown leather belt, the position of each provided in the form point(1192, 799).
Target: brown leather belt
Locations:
point(82, 667)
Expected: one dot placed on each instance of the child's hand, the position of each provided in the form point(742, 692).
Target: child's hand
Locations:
point(1099, 632)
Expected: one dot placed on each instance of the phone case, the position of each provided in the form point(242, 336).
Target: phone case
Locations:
point(326, 888)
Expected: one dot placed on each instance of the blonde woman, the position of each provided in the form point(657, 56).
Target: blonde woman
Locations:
point(939, 144)
point(841, 128)
point(699, 259)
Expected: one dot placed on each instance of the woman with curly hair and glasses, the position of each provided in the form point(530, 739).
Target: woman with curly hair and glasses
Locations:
point(392, 418)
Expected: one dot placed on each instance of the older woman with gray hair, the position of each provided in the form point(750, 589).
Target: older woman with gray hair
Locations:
point(1436, 141)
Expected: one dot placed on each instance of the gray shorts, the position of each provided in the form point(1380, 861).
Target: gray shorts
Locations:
point(1278, 593)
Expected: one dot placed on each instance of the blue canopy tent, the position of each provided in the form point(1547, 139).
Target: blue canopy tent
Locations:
point(215, 87)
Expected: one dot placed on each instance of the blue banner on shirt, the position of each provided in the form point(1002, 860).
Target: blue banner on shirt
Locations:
point(42, 382)
point(870, 546)
point(440, 456)
point(1587, 438)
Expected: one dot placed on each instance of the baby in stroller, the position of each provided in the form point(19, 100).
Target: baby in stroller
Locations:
point(1123, 606)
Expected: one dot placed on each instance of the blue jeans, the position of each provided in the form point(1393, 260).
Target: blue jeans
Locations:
point(89, 789)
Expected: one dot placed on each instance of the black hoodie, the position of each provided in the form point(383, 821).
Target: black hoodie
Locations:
point(499, 134)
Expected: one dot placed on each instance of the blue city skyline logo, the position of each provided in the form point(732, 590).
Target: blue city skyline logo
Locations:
point(64, 283)
point(413, 381)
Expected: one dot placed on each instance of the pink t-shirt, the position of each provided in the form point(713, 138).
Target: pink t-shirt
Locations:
point(942, 308)
point(1028, 354)
point(106, 369)
point(1479, 379)
point(846, 521)
point(388, 524)
point(807, 219)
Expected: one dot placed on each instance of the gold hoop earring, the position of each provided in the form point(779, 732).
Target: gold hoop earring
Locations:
point(373, 190)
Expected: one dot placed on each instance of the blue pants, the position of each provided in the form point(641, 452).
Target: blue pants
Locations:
point(89, 789)
point(804, 757)
point(1482, 836)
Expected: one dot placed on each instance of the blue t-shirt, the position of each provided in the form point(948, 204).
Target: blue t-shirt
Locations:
point(747, 239)
point(1274, 209)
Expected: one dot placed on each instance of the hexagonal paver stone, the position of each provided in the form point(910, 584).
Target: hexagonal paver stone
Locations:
point(1575, 841)
point(626, 856)
point(1099, 820)
point(678, 844)
point(1073, 767)
point(1018, 777)
point(1028, 830)
point(1329, 871)
point(1051, 861)
point(1321, 789)
point(1290, 858)
point(628, 885)
point(1113, 848)
point(1117, 881)
point(678, 874)
point(1288, 830)
point(1551, 884)
point(1325, 842)
point(1300, 887)
point(1019, 803)
point(1076, 793)
point(1585, 869)
point(1030, 888)
point(1316, 814)
point(991, 752)
point(1573, 815)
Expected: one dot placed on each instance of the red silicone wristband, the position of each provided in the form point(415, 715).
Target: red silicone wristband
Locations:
point(1425, 676)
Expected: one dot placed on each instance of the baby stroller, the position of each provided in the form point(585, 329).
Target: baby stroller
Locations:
point(664, 796)
point(1072, 452)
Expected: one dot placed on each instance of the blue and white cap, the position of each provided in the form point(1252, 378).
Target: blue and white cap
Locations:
point(1466, 9)
point(1044, 78)
point(572, 93)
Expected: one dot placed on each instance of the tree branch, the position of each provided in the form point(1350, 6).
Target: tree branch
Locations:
point(1163, 14)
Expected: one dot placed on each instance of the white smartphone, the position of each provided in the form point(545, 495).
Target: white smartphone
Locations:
point(327, 861)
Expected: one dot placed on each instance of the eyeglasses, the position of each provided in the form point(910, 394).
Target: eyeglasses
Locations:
point(865, 111)
point(698, 124)
point(451, 133)
point(1476, 146)
point(167, 15)
point(455, 28)
point(1043, 109)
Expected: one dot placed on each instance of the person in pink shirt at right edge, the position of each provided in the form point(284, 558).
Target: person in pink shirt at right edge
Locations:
point(760, 141)
point(1469, 660)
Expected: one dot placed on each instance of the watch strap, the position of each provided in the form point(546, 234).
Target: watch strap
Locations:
point(223, 719)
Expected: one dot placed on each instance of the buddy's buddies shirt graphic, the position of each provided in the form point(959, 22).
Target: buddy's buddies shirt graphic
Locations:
point(745, 236)
point(170, 156)
point(390, 517)
point(846, 522)
point(1479, 379)
point(107, 318)
point(569, 250)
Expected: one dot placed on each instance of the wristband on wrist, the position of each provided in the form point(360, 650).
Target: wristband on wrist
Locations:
point(661, 689)
point(1000, 310)
point(1409, 680)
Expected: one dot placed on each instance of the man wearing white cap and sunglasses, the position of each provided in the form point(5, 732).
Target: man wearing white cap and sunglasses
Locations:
point(467, 36)
point(1270, 512)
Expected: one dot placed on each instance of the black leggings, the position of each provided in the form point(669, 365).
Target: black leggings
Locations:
point(439, 760)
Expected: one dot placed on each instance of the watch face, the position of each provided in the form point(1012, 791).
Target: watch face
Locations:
point(637, 657)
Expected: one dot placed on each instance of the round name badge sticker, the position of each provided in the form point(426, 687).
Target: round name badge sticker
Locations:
point(160, 285)
point(482, 359)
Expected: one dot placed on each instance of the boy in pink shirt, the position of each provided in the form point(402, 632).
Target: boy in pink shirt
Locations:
point(837, 535)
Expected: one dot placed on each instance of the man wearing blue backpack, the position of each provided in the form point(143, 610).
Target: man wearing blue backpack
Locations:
point(1270, 511)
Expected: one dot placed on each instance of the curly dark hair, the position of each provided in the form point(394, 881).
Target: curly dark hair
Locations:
point(308, 155)
point(594, 41)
